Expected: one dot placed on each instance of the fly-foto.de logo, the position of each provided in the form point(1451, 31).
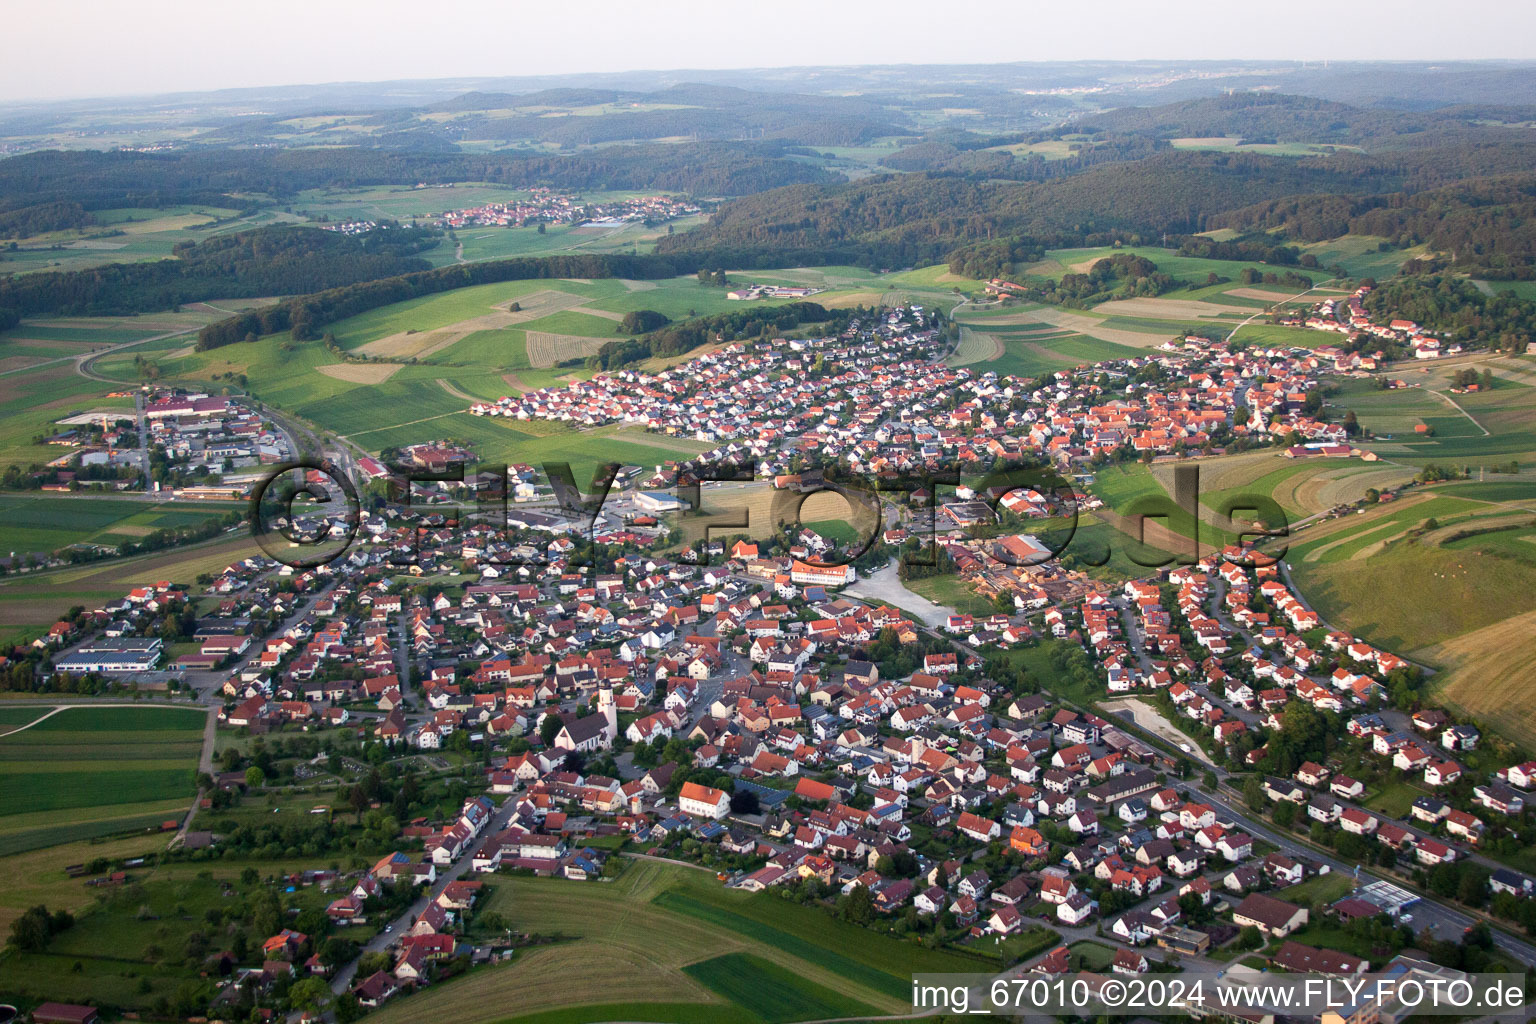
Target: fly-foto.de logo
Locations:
point(309, 513)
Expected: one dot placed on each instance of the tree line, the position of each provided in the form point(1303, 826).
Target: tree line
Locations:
point(306, 315)
point(675, 339)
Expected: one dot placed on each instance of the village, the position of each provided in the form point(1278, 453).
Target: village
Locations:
point(548, 206)
point(730, 705)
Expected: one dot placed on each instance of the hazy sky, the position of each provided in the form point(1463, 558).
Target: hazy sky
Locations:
point(72, 48)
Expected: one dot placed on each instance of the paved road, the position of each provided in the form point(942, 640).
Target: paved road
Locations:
point(343, 977)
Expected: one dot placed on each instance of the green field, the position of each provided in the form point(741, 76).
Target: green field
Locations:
point(47, 522)
point(129, 945)
point(1185, 268)
point(1318, 889)
point(131, 235)
point(1030, 351)
point(1132, 488)
point(108, 769)
point(506, 348)
point(771, 993)
point(1235, 144)
point(1405, 594)
point(952, 592)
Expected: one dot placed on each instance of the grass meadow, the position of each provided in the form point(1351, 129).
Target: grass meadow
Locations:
point(667, 943)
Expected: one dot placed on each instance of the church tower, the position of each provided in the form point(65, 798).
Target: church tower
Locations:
point(609, 711)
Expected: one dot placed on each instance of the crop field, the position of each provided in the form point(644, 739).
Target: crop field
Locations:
point(147, 234)
point(1487, 674)
point(1190, 269)
point(1127, 487)
point(1361, 255)
point(635, 938)
point(506, 348)
point(109, 767)
point(545, 350)
point(770, 992)
point(1339, 539)
point(1094, 326)
point(752, 504)
point(1299, 486)
point(1507, 414)
point(1163, 308)
point(46, 522)
point(1234, 144)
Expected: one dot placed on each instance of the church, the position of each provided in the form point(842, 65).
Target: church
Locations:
point(590, 732)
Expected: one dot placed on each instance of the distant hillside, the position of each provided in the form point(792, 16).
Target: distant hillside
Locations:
point(1484, 223)
point(1276, 117)
point(916, 218)
point(105, 180)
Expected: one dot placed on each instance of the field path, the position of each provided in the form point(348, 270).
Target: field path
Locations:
point(1278, 302)
point(455, 392)
point(24, 728)
point(204, 766)
point(207, 743)
point(407, 423)
point(1457, 406)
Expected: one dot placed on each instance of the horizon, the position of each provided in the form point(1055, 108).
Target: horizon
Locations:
point(542, 82)
point(175, 59)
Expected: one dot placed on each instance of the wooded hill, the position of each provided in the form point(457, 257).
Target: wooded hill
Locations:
point(98, 181)
point(266, 261)
point(920, 218)
point(1486, 224)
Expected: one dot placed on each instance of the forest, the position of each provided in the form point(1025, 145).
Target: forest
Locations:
point(1487, 224)
point(97, 180)
point(921, 218)
point(265, 261)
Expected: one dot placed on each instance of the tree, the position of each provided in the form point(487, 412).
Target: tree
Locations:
point(308, 993)
point(1284, 814)
point(347, 1008)
point(371, 963)
point(336, 950)
point(1253, 792)
point(254, 777)
point(549, 728)
point(745, 801)
point(31, 931)
point(858, 906)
